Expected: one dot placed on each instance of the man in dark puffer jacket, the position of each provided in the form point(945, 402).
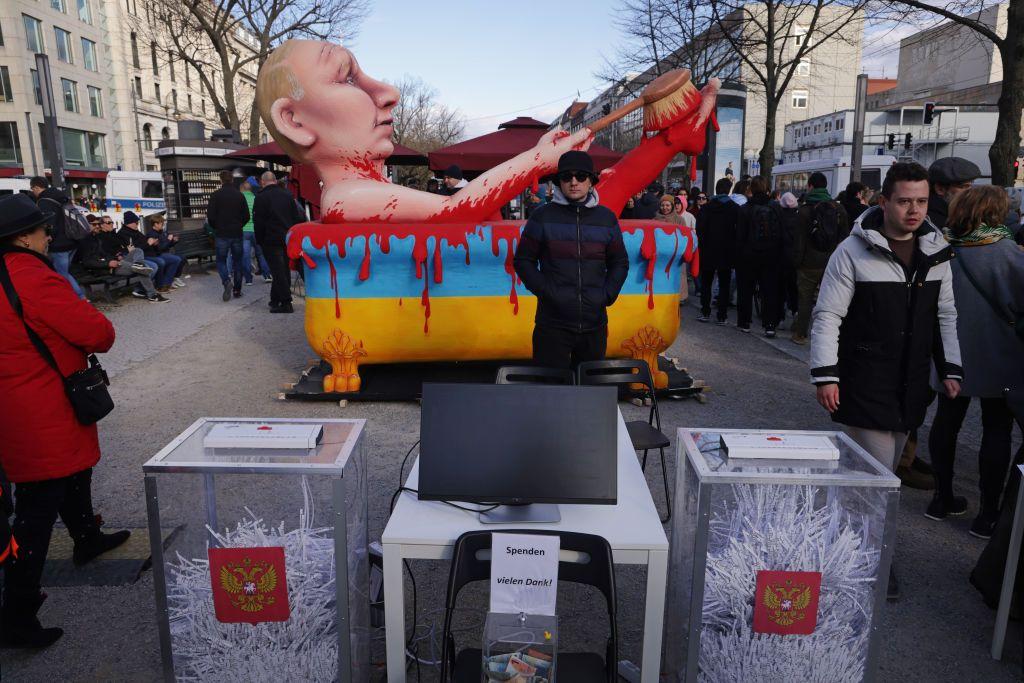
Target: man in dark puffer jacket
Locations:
point(571, 256)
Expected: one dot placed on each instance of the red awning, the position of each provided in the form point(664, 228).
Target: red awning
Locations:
point(78, 173)
point(512, 137)
point(11, 171)
point(272, 152)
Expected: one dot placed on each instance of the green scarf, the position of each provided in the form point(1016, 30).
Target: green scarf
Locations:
point(818, 194)
point(983, 234)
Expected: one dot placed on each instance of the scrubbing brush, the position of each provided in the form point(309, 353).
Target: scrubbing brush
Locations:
point(665, 100)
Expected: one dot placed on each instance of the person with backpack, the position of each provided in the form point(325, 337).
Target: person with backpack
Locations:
point(64, 244)
point(759, 239)
point(821, 225)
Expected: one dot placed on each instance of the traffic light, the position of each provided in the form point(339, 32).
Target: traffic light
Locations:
point(892, 141)
point(929, 112)
point(907, 139)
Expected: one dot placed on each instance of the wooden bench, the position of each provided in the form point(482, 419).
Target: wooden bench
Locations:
point(108, 283)
point(194, 244)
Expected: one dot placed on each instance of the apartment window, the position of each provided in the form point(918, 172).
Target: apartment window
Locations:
point(37, 89)
point(189, 100)
point(803, 68)
point(156, 92)
point(203, 102)
point(89, 60)
point(165, 133)
point(97, 149)
point(799, 36)
point(10, 147)
point(147, 136)
point(34, 34)
point(817, 127)
point(64, 53)
point(799, 99)
point(95, 101)
point(840, 124)
point(174, 99)
point(70, 90)
point(135, 52)
point(59, 5)
point(188, 77)
point(170, 64)
point(156, 67)
point(84, 11)
point(828, 126)
point(75, 153)
point(6, 94)
point(138, 88)
point(1, 36)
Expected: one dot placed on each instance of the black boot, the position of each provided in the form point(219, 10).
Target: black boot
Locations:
point(19, 627)
point(94, 546)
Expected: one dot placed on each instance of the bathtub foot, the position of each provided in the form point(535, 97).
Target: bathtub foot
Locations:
point(645, 345)
point(343, 353)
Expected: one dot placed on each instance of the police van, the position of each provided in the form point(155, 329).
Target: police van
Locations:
point(139, 191)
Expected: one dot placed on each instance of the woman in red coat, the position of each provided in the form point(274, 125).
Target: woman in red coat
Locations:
point(45, 451)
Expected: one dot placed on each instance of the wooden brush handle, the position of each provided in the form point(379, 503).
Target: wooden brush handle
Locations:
point(661, 87)
point(614, 116)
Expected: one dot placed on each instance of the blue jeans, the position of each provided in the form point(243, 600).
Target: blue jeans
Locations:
point(224, 246)
point(168, 268)
point(249, 243)
point(61, 262)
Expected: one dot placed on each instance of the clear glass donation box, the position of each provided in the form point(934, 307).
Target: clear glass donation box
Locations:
point(260, 563)
point(777, 567)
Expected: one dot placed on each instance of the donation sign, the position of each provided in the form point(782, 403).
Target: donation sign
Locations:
point(524, 573)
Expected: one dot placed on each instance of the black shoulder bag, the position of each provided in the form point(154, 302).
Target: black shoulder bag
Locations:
point(85, 389)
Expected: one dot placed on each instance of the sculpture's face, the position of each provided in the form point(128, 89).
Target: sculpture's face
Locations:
point(340, 112)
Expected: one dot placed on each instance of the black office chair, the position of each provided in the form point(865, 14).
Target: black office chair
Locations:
point(594, 569)
point(646, 436)
point(534, 374)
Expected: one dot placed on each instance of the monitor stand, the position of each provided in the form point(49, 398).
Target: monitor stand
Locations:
point(537, 513)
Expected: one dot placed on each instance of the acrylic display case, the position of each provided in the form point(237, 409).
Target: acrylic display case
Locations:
point(777, 568)
point(262, 573)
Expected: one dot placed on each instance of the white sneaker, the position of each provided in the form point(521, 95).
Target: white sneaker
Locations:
point(249, 284)
point(178, 282)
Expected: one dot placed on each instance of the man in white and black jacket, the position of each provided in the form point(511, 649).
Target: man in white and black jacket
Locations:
point(885, 314)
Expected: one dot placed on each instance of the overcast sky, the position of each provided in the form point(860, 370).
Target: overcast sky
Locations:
point(495, 61)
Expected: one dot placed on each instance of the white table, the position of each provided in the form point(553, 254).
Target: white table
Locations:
point(427, 530)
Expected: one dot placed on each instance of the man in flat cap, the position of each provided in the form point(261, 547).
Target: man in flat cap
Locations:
point(947, 177)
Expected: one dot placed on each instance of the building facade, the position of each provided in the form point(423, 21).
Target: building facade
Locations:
point(118, 89)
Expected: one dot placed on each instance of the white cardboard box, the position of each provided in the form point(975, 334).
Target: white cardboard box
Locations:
point(779, 446)
point(256, 435)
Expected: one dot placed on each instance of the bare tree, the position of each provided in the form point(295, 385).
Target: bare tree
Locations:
point(772, 38)
point(422, 123)
point(661, 35)
point(227, 41)
point(1006, 145)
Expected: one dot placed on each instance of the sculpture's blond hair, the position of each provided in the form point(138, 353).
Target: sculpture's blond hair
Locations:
point(276, 80)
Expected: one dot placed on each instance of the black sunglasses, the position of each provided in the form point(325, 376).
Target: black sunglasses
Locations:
point(580, 176)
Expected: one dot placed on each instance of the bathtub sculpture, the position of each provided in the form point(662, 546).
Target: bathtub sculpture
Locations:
point(398, 275)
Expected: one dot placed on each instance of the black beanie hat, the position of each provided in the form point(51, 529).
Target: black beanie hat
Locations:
point(575, 160)
point(453, 171)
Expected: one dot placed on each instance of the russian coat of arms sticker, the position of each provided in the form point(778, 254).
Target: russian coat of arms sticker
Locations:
point(786, 603)
point(249, 584)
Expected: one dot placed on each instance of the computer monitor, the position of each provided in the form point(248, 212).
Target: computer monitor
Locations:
point(518, 445)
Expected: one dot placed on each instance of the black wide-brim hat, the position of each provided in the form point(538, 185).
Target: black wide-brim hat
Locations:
point(19, 214)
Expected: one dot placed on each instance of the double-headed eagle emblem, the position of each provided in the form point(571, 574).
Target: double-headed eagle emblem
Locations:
point(249, 584)
point(787, 602)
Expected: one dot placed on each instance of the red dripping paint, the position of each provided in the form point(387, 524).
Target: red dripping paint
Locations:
point(334, 281)
point(310, 263)
point(649, 251)
point(438, 262)
point(364, 267)
point(425, 302)
point(419, 255)
point(399, 301)
point(668, 266)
